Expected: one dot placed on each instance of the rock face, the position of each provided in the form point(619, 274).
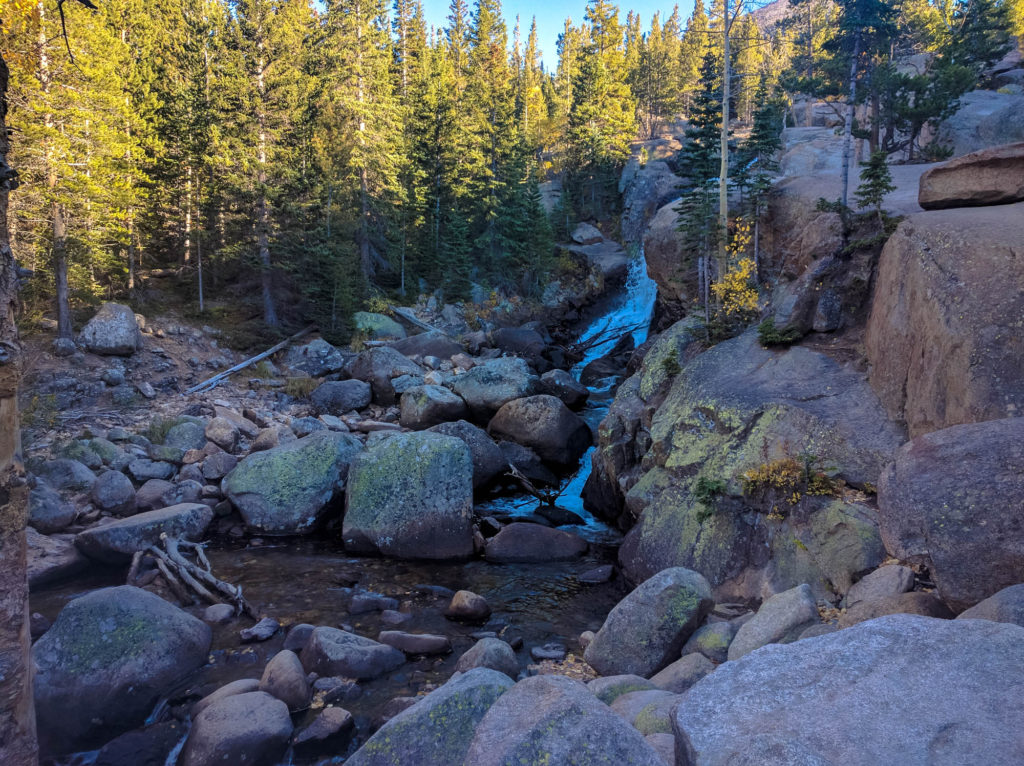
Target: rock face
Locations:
point(108, 657)
point(780, 620)
point(284, 490)
point(985, 118)
point(436, 731)
point(522, 542)
point(988, 177)
point(488, 386)
point(648, 628)
point(333, 652)
point(115, 543)
point(251, 728)
point(488, 460)
point(947, 501)
point(113, 330)
point(411, 496)
point(336, 397)
point(426, 406)
point(556, 720)
point(675, 274)
point(945, 336)
point(545, 425)
point(841, 698)
point(739, 408)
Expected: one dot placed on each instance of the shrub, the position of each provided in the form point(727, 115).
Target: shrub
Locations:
point(769, 335)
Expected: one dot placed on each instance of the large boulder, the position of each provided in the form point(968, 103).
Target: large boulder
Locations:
point(675, 273)
point(285, 490)
point(64, 473)
point(105, 662)
point(950, 501)
point(334, 652)
point(842, 698)
point(488, 460)
point(116, 542)
point(432, 343)
point(47, 511)
point(113, 330)
point(780, 620)
point(411, 496)
point(317, 358)
point(944, 338)
point(988, 177)
point(556, 720)
point(519, 341)
point(426, 406)
point(377, 326)
point(559, 383)
point(437, 730)
point(545, 425)
point(647, 629)
point(490, 385)
point(378, 367)
point(522, 542)
point(113, 492)
point(251, 728)
point(336, 397)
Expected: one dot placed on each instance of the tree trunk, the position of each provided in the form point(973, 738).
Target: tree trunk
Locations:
point(848, 123)
point(723, 174)
point(17, 714)
point(262, 211)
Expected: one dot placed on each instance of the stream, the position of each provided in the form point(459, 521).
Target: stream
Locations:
point(310, 579)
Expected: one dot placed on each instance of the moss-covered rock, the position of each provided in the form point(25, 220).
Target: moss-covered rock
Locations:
point(426, 406)
point(488, 386)
point(106, 660)
point(286, 490)
point(411, 496)
point(377, 326)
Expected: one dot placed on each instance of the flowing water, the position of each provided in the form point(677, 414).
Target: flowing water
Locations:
point(310, 580)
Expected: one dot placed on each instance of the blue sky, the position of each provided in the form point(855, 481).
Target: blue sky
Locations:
point(552, 13)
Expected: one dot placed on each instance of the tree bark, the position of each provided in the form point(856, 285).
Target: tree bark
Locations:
point(848, 123)
point(262, 210)
point(17, 714)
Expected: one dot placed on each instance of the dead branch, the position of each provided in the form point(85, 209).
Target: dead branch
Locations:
point(545, 496)
point(220, 377)
point(409, 317)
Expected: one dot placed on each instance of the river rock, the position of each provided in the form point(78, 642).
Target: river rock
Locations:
point(377, 326)
point(490, 385)
point(488, 460)
point(317, 358)
point(609, 688)
point(285, 490)
point(468, 606)
point(993, 176)
point(330, 730)
point(114, 543)
point(431, 343)
point(223, 433)
point(437, 729)
point(333, 652)
point(842, 698)
point(780, 620)
point(144, 469)
point(647, 629)
point(426, 406)
point(113, 330)
point(521, 542)
point(884, 582)
point(563, 386)
point(252, 728)
point(187, 434)
point(712, 641)
point(943, 338)
point(416, 643)
point(944, 503)
point(411, 496)
point(377, 366)
point(285, 679)
point(148, 746)
point(918, 602)
point(113, 492)
point(558, 719)
point(240, 686)
point(1005, 606)
point(336, 397)
point(649, 712)
point(490, 653)
point(107, 659)
point(545, 425)
point(47, 511)
point(520, 341)
point(51, 557)
point(63, 473)
point(219, 614)
point(527, 462)
point(683, 673)
point(218, 465)
point(150, 495)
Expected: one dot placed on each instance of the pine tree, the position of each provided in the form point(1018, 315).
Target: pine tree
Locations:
point(876, 182)
point(691, 53)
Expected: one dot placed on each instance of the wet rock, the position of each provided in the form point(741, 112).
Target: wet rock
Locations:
point(284, 490)
point(223, 433)
point(263, 630)
point(285, 679)
point(926, 604)
point(377, 366)
point(943, 503)
point(364, 602)
point(113, 330)
point(47, 511)
point(563, 386)
point(150, 495)
point(411, 496)
point(609, 688)
point(545, 425)
point(330, 732)
point(556, 716)
point(468, 606)
point(598, 575)
point(648, 628)
point(414, 736)
point(845, 694)
point(712, 641)
point(649, 712)
point(333, 652)
point(252, 728)
point(1005, 606)
point(186, 435)
point(113, 492)
point(683, 673)
point(148, 746)
point(219, 614)
point(107, 659)
point(490, 385)
point(488, 460)
point(337, 397)
point(490, 653)
point(52, 557)
point(780, 620)
point(426, 406)
point(521, 542)
point(317, 358)
point(114, 543)
point(63, 473)
point(144, 469)
point(416, 643)
point(377, 326)
point(884, 582)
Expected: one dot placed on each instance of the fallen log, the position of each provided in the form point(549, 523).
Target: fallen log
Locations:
point(411, 318)
point(220, 377)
